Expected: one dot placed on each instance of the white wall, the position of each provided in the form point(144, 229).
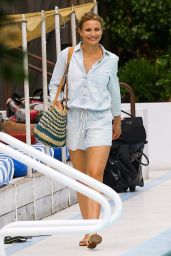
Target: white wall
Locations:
point(157, 121)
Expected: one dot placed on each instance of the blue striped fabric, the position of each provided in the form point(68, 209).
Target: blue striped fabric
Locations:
point(41, 147)
point(10, 167)
point(6, 169)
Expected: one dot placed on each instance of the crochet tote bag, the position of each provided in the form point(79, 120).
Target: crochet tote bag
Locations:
point(51, 129)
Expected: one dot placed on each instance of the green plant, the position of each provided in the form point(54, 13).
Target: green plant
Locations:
point(140, 74)
point(138, 28)
point(151, 82)
point(163, 74)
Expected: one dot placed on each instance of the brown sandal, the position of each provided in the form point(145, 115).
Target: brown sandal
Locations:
point(83, 242)
point(93, 241)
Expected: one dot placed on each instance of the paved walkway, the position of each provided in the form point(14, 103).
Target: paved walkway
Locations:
point(144, 228)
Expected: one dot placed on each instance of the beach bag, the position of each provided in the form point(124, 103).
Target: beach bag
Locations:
point(51, 129)
point(133, 130)
point(124, 166)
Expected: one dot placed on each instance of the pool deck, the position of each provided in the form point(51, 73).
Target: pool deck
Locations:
point(143, 229)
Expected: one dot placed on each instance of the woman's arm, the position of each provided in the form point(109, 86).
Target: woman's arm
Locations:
point(114, 89)
point(116, 129)
point(58, 74)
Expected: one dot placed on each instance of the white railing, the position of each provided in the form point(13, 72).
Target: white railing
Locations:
point(68, 176)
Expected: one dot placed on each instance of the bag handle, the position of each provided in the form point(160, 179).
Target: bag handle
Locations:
point(146, 158)
point(127, 113)
point(142, 154)
point(131, 96)
point(62, 82)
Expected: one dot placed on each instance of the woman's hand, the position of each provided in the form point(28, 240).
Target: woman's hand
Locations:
point(116, 129)
point(59, 105)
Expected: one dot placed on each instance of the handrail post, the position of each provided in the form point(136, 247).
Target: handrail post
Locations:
point(44, 61)
point(26, 80)
point(57, 31)
point(95, 9)
point(73, 29)
point(58, 49)
point(132, 96)
point(26, 85)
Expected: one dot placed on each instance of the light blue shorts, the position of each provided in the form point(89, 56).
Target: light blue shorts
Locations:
point(88, 128)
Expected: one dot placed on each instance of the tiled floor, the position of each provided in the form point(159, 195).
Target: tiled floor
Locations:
point(144, 228)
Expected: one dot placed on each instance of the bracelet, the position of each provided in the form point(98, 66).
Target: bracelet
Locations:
point(117, 123)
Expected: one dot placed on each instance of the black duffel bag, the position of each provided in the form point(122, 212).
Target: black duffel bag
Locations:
point(124, 166)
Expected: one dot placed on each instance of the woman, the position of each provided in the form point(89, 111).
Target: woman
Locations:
point(93, 101)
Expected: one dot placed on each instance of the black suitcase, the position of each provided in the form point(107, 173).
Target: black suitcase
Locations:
point(124, 166)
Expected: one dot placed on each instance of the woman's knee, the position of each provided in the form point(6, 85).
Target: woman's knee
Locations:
point(78, 159)
point(96, 173)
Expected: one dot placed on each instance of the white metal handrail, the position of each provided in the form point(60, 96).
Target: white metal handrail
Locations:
point(65, 175)
point(59, 166)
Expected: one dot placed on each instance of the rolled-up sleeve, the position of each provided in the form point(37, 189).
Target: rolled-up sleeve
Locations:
point(57, 75)
point(114, 89)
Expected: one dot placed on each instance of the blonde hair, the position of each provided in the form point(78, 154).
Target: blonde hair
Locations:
point(89, 16)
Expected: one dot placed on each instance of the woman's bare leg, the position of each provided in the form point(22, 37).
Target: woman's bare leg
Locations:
point(92, 162)
point(96, 162)
point(78, 159)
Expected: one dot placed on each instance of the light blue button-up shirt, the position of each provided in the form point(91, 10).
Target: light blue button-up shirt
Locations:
point(98, 89)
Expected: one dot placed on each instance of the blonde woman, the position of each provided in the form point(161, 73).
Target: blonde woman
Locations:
point(93, 101)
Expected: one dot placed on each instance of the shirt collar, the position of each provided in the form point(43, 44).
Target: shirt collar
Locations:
point(78, 48)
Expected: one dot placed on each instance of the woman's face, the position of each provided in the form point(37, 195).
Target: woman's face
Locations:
point(91, 32)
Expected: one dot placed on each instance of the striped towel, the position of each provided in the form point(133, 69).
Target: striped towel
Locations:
point(6, 169)
point(10, 167)
point(39, 146)
point(21, 168)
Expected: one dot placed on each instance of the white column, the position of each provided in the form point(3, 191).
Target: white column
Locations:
point(73, 29)
point(95, 9)
point(44, 62)
point(26, 80)
point(74, 42)
point(57, 31)
point(141, 111)
point(44, 66)
point(145, 169)
point(26, 85)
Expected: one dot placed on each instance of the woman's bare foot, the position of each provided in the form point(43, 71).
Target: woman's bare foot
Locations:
point(84, 241)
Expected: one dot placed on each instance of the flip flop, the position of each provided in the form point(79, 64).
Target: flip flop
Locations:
point(93, 241)
point(83, 242)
